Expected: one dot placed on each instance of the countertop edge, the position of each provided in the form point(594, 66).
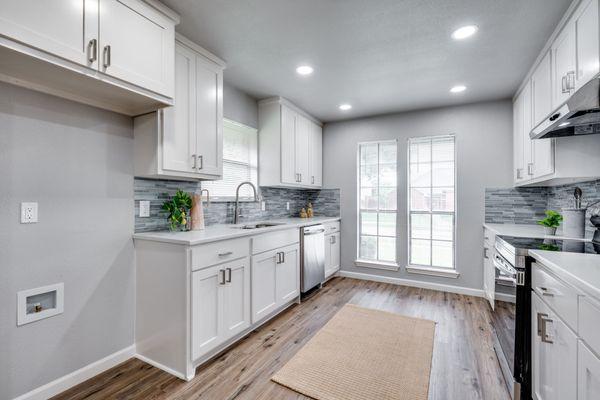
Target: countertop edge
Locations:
point(235, 233)
point(494, 227)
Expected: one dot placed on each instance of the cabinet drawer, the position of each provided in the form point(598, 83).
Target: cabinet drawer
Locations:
point(273, 240)
point(206, 255)
point(331, 227)
point(589, 323)
point(559, 296)
point(488, 237)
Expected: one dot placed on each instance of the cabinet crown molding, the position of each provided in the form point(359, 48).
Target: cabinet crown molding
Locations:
point(289, 104)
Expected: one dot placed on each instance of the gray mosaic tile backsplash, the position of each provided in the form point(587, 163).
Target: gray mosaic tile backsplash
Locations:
point(527, 205)
point(325, 203)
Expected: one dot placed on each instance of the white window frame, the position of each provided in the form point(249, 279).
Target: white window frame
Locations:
point(429, 269)
point(368, 263)
point(233, 125)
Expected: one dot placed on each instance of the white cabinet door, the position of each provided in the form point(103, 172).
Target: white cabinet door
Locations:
point(136, 44)
point(179, 123)
point(287, 279)
point(207, 306)
point(526, 114)
point(588, 46)
point(543, 157)
point(288, 146)
point(264, 286)
point(541, 86)
point(209, 117)
point(518, 157)
point(316, 155)
point(489, 275)
point(303, 135)
point(62, 28)
point(588, 372)
point(236, 298)
point(564, 65)
point(335, 252)
point(553, 355)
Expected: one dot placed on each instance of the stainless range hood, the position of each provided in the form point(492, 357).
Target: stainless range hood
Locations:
point(580, 115)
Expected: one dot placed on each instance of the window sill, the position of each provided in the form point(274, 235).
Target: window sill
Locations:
point(442, 272)
point(376, 265)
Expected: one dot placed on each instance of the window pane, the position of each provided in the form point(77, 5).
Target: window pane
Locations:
point(387, 175)
point(442, 254)
point(368, 247)
point(368, 176)
point(368, 223)
point(420, 175)
point(387, 224)
point(387, 249)
point(368, 154)
point(443, 150)
point(387, 153)
point(387, 198)
point(420, 199)
point(420, 152)
point(420, 226)
point(420, 252)
point(443, 174)
point(442, 199)
point(368, 198)
point(442, 226)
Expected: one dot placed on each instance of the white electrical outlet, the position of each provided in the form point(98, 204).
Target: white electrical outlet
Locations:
point(287, 206)
point(144, 208)
point(29, 213)
point(263, 205)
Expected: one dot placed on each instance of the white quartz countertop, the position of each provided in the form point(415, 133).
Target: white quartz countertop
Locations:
point(530, 231)
point(580, 270)
point(215, 233)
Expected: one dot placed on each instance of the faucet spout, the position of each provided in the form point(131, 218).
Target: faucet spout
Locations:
point(236, 213)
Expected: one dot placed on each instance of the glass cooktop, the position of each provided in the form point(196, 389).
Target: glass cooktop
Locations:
point(572, 246)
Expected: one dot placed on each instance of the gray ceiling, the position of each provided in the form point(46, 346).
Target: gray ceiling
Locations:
point(379, 55)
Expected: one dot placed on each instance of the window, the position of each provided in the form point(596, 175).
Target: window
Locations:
point(239, 163)
point(431, 199)
point(377, 202)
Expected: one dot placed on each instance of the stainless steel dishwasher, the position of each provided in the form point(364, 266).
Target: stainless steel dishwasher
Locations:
point(312, 264)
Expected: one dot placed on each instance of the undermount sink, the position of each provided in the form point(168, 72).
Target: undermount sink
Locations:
point(257, 225)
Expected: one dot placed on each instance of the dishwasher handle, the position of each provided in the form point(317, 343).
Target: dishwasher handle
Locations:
point(314, 232)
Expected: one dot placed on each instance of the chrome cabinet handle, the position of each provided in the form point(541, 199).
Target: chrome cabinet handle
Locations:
point(282, 257)
point(530, 169)
point(312, 180)
point(540, 323)
point(485, 253)
point(519, 173)
point(227, 253)
point(228, 280)
point(570, 81)
point(564, 84)
point(222, 276)
point(195, 161)
point(92, 50)
point(278, 258)
point(300, 180)
point(106, 56)
point(545, 292)
point(201, 162)
point(544, 334)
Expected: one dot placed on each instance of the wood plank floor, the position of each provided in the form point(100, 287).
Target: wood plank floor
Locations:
point(464, 364)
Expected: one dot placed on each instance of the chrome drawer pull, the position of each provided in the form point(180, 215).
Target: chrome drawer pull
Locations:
point(545, 291)
point(227, 253)
point(544, 335)
point(228, 280)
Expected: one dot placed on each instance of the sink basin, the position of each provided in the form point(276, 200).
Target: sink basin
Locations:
point(257, 225)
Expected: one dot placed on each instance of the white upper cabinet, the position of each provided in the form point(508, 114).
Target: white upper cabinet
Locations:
point(72, 26)
point(564, 65)
point(541, 89)
point(185, 141)
point(112, 54)
point(136, 45)
point(290, 146)
point(588, 41)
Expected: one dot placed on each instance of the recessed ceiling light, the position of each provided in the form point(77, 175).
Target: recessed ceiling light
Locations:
point(458, 89)
point(464, 32)
point(345, 107)
point(304, 70)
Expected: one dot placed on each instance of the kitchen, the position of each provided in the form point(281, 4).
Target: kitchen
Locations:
point(226, 200)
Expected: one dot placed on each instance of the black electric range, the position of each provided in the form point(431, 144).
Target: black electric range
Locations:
point(519, 246)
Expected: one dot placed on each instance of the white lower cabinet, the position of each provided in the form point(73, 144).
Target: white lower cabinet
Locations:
point(332, 254)
point(275, 280)
point(588, 381)
point(220, 304)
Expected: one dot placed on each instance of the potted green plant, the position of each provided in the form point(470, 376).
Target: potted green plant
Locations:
point(551, 222)
point(178, 208)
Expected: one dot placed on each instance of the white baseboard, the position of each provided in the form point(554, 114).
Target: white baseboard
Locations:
point(413, 283)
point(76, 377)
point(163, 367)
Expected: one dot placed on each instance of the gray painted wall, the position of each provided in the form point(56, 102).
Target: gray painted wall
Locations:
point(484, 158)
point(76, 161)
point(239, 107)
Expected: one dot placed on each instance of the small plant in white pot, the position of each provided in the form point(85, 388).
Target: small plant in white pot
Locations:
point(551, 222)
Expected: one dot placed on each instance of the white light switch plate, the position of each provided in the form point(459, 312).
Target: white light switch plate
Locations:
point(144, 208)
point(263, 205)
point(287, 206)
point(29, 213)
